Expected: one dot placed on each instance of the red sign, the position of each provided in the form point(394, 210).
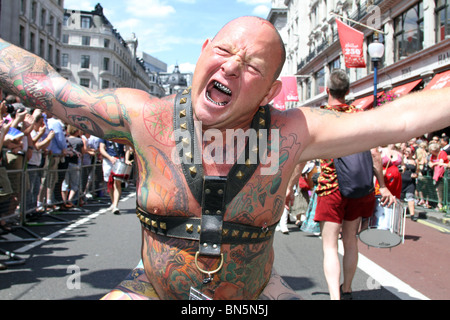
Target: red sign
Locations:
point(279, 101)
point(352, 45)
point(290, 88)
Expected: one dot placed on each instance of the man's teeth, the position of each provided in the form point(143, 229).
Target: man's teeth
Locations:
point(221, 104)
point(222, 88)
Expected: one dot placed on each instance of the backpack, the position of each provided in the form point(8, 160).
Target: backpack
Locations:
point(355, 174)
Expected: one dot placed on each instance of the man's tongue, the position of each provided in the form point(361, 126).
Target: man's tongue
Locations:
point(219, 96)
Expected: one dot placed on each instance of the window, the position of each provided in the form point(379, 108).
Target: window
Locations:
point(22, 36)
point(66, 20)
point(442, 19)
point(335, 64)
point(23, 6)
point(320, 81)
point(85, 82)
point(50, 25)
point(50, 53)
point(408, 34)
point(105, 84)
point(34, 11)
point(32, 43)
point(65, 60)
point(106, 43)
point(43, 15)
point(85, 62)
point(106, 64)
point(86, 41)
point(85, 22)
point(41, 47)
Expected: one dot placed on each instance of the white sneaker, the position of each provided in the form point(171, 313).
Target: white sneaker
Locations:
point(116, 210)
point(283, 222)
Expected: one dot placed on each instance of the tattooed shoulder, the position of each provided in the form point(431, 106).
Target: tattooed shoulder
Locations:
point(324, 112)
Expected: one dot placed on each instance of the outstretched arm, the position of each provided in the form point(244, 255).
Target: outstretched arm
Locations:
point(100, 113)
point(329, 134)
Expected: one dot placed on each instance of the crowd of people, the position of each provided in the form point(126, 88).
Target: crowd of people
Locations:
point(409, 169)
point(56, 161)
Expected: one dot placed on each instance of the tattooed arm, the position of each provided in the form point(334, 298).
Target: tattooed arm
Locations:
point(100, 113)
point(328, 134)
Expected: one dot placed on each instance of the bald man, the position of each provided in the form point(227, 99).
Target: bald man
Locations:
point(214, 161)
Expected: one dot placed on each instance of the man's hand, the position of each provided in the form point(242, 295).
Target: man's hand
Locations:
point(290, 197)
point(387, 199)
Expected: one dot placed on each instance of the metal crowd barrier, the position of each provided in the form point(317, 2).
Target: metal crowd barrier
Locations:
point(92, 190)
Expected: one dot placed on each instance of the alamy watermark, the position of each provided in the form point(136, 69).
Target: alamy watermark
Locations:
point(73, 282)
point(263, 143)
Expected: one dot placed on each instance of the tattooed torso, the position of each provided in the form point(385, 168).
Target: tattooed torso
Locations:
point(135, 118)
point(162, 190)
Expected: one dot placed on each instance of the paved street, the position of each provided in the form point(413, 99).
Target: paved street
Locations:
point(91, 252)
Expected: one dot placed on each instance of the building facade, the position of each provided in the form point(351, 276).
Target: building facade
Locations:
point(416, 35)
point(34, 25)
point(95, 55)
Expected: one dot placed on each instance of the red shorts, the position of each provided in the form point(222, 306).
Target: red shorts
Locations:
point(336, 208)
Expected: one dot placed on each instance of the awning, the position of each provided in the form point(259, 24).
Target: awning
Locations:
point(406, 88)
point(439, 81)
point(366, 102)
point(363, 103)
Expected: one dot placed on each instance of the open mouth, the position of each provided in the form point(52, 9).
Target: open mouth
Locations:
point(219, 94)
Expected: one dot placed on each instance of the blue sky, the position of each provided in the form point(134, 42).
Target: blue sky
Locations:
point(172, 30)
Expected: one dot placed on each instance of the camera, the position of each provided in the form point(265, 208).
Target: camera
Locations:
point(16, 107)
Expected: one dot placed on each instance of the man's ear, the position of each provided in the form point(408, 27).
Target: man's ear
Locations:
point(275, 89)
point(205, 44)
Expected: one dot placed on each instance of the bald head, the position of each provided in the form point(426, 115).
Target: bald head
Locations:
point(249, 21)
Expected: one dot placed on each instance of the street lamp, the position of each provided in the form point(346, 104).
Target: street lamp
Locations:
point(376, 52)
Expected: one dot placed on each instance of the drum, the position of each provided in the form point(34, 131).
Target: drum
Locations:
point(121, 171)
point(386, 227)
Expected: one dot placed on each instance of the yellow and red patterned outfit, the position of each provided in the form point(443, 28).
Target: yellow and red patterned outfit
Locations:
point(331, 205)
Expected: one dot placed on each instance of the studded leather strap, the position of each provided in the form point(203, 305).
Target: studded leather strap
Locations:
point(214, 193)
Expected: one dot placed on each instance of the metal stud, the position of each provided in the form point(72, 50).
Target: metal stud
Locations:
point(183, 126)
point(183, 113)
point(154, 224)
point(225, 232)
point(240, 175)
point(190, 228)
point(235, 233)
point(163, 225)
point(245, 234)
point(255, 235)
point(193, 170)
point(183, 100)
point(187, 91)
point(262, 122)
point(199, 228)
point(186, 141)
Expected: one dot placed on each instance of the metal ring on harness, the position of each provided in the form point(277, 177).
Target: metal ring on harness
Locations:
point(209, 273)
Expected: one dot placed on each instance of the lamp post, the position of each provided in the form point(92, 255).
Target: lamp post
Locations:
point(376, 52)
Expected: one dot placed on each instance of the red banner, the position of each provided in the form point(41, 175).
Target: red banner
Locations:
point(352, 45)
point(279, 101)
point(290, 88)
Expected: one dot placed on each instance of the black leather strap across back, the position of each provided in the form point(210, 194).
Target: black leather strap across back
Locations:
point(214, 193)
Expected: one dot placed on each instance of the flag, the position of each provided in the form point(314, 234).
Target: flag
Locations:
point(290, 88)
point(352, 45)
point(280, 100)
